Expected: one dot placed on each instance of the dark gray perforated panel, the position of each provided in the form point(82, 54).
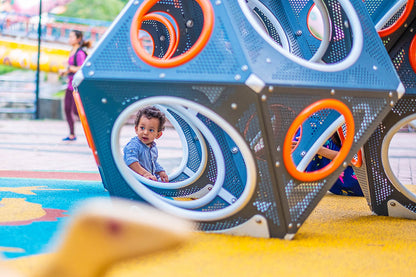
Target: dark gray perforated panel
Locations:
point(356, 75)
point(380, 187)
point(400, 58)
point(382, 190)
point(284, 108)
point(265, 198)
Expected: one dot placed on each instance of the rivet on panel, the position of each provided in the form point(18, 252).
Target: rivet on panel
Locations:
point(390, 94)
point(375, 67)
point(244, 68)
point(392, 204)
point(263, 98)
point(298, 225)
point(271, 88)
point(344, 164)
point(88, 64)
point(332, 92)
point(392, 103)
point(162, 75)
point(91, 73)
point(268, 60)
point(234, 150)
point(346, 24)
point(234, 106)
point(104, 100)
point(237, 77)
point(290, 225)
point(218, 2)
point(299, 33)
point(189, 23)
point(136, 3)
point(277, 164)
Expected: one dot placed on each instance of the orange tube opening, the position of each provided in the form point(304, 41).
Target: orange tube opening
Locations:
point(399, 22)
point(206, 32)
point(342, 154)
point(412, 54)
point(173, 43)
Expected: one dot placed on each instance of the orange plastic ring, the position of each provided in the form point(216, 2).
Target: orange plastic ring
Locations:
point(399, 22)
point(412, 54)
point(357, 162)
point(177, 34)
point(171, 30)
point(206, 32)
point(342, 154)
point(85, 126)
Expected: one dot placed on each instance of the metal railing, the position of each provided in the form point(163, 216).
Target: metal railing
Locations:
point(18, 97)
point(54, 28)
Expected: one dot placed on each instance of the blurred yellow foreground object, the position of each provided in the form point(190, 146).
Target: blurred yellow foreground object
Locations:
point(104, 231)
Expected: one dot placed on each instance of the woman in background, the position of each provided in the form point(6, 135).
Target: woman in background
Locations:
point(77, 57)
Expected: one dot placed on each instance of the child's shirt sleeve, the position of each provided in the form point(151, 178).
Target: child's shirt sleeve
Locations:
point(131, 152)
point(158, 167)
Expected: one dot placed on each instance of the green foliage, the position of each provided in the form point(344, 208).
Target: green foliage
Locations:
point(95, 9)
point(60, 94)
point(6, 69)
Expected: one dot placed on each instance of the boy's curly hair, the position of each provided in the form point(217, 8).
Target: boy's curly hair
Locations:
point(151, 112)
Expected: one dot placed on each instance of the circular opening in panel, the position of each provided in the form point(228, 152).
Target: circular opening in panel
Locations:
point(168, 61)
point(318, 16)
point(396, 12)
point(316, 23)
point(399, 156)
point(308, 136)
point(194, 116)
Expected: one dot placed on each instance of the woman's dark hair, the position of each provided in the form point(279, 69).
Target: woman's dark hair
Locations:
point(80, 36)
point(151, 112)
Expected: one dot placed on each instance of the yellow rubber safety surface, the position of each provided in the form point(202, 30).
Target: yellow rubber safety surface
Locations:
point(340, 238)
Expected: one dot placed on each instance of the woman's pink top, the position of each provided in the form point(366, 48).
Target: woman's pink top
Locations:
point(81, 56)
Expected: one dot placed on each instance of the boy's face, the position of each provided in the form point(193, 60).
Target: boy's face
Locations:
point(147, 130)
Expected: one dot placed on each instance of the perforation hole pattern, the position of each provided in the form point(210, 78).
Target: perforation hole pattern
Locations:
point(266, 196)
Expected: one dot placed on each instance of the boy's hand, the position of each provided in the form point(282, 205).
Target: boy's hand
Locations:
point(150, 176)
point(163, 176)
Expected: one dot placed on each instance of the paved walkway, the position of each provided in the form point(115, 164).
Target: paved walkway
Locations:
point(36, 145)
